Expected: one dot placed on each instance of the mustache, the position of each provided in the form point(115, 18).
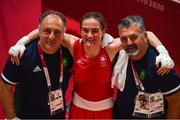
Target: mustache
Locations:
point(131, 46)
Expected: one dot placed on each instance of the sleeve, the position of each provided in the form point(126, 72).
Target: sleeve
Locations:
point(169, 83)
point(10, 74)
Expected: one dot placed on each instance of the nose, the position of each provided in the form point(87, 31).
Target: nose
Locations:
point(52, 36)
point(90, 34)
point(129, 42)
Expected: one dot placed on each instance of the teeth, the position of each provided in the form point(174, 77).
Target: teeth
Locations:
point(130, 47)
point(90, 42)
point(90, 39)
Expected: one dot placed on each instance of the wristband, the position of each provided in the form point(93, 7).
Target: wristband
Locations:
point(161, 50)
point(24, 40)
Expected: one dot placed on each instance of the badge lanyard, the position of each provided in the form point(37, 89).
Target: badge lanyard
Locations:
point(136, 77)
point(46, 70)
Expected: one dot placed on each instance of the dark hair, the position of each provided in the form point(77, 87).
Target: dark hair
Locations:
point(96, 15)
point(50, 12)
point(129, 20)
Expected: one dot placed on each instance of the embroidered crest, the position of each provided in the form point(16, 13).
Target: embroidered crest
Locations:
point(79, 61)
point(142, 74)
point(103, 60)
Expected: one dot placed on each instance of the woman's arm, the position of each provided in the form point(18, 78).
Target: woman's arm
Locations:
point(69, 41)
point(18, 49)
point(152, 39)
point(166, 62)
point(29, 37)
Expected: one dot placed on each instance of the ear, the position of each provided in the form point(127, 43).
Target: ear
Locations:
point(145, 35)
point(39, 28)
point(104, 30)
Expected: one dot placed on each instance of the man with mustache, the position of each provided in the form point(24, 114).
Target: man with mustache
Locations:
point(140, 71)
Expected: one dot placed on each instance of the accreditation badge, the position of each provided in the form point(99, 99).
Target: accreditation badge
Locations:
point(56, 101)
point(149, 105)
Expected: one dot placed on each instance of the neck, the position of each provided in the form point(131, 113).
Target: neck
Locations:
point(91, 52)
point(47, 51)
point(141, 53)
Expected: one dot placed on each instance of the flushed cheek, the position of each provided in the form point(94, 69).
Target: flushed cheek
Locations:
point(44, 39)
point(83, 35)
point(54, 43)
point(124, 45)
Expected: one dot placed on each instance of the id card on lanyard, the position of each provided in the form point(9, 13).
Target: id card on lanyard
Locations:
point(55, 97)
point(147, 105)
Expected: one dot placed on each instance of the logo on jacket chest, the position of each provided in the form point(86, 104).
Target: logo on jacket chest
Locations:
point(37, 69)
point(103, 60)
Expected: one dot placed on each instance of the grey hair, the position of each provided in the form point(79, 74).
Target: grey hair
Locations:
point(52, 12)
point(130, 20)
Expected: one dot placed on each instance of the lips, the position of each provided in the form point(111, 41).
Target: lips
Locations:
point(90, 42)
point(131, 48)
point(50, 42)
